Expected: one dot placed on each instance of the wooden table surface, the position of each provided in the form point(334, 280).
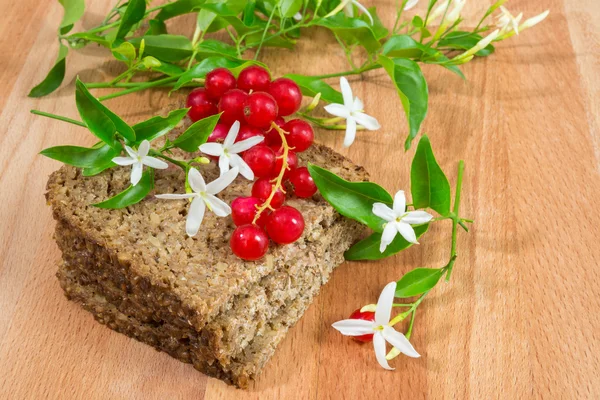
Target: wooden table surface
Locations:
point(520, 317)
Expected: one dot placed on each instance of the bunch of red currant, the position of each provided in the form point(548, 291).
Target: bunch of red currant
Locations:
point(260, 105)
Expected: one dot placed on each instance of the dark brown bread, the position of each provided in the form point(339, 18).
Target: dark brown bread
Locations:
point(137, 271)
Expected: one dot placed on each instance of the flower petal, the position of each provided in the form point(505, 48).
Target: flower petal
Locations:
point(354, 327)
point(195, 216)
point(366, 120)
point(399, 203)
point(384, 304)
point(388, 235)
point(143, 148)
point(124, 160)
point(346, 93)
point(410, 4)
point(399, 341)
point(132, 153)
point(232, 135)
point(223, 163)
point(136, 173)
point(379, 346)
point(175, 196)
point(217, 206)
point(407, 232)
point(358, 104)
point(534, 20)
point(245, 170)
point(246, 144)
point(337, 110)
point(154, 162)
point(417, 217)
point(212, 149)
point(222, 182)
point(350, 132)
point(383, 211)
point(196, 181)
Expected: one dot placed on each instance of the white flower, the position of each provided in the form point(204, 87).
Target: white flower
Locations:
point(297, 16)
point(137, 160)
point(380, 328)
point(399, 220)
point(349, 9)
point(352, 112)
point(451, 8)
point(410, 4)
point(482, 44)
point(507, 22)
point(203, 196)
point(534, 20)
point(228, 151)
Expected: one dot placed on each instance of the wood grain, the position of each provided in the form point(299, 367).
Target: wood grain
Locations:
point(519, 318)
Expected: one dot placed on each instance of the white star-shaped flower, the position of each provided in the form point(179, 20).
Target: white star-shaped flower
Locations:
point(349, 9)
point(352, 112)
point(410, 4)
point(137, 160)
point(228, 152)
point(452, 10)
point(507, 22)
point(203, 196)
point(399, 220)
point(380, 328)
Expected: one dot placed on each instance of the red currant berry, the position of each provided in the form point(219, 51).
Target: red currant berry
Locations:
point(367, 316)
point(232, 106)
point(304, 185)
point(272, 137)
point(247, 131)
point(300, 134)
point(218, 134)
point(200, 105)
point(254, 78)
point(243, 211)
point(262, 189)
point(287, 95)
point(218, 81)
point(261, 160)
point(292, 161)
point(285, 225)
point(249, 242)
point(260, 109)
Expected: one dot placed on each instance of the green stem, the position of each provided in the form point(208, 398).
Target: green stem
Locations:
point(102, 28)
point(352, 72)
point(401, 317)
point(181, 164)
point(140, 87)
point(262, 40)
point(58, 117)
point(455, 218)
point(410, 326)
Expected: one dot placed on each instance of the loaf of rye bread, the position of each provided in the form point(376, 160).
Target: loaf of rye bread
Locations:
point(137, 272)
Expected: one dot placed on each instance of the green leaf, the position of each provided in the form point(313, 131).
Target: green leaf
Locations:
point(55, 76)
point(404, 46)
point(418, 281)
point(134, 13)
point(249, 17)
point(211, 47)
point(124, 52)
point(428, 184)
point(417, 22)
point(97, 169)
point(368, 249)
point(170, 48)
point(204, 20)
point(229, 14)
point(100, 120)
point(196, 134)
point(74, 10)
point(412, 89)
point(352, 29)
point(254, 39)
point(81, 157)
point(131, 195)
point(351, 199)
point(208, 64)
point(156, 127)
point(311, 86)
point(460, 40)
point(289, 8)
point(379, 30)
point(177, 8)
point(156, 27)
point(81, 39)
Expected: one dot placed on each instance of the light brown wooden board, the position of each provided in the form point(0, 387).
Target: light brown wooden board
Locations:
point(518, 320)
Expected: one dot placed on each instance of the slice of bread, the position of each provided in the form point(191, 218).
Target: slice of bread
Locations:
point(137, 271)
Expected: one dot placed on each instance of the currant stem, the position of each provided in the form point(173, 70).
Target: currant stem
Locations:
point(455, 218)
point(279, 180)
point(58, 117)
